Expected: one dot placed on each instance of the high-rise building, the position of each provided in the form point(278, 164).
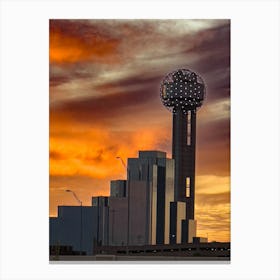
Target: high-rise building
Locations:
point(117, 221)
point(150, 191)
point(118, 215)
point(100, 203)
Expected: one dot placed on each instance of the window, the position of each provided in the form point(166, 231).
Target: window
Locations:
point(188, 187)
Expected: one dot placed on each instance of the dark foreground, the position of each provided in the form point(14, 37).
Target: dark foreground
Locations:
point(214, 251)
point(114, 258)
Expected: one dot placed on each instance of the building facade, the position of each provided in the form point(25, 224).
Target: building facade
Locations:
point(118, 188)
point(150, 194)
point(140, 211)
point(66, 229)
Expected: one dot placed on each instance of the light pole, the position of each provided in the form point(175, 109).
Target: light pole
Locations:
point(81, 218)
point(127, 171)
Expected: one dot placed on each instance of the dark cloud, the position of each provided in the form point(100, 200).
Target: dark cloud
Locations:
point(211, 47)
point(76, 41)
point(214, 94)
point(213, 147)
point(58, 80)
point(108, 28)
point(75, 28)
point(212, 40)
point(98, 156)
point(213, 133)
point(108, 106)
point(68, 74)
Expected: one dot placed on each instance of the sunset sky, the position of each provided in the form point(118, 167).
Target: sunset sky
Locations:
point(104, 102)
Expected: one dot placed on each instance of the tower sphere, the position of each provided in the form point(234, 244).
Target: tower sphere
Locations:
point(182, 90)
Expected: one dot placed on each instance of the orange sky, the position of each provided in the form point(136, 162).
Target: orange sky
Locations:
point(104, 102)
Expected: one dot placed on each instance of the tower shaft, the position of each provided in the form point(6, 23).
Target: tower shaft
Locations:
point(183, 151)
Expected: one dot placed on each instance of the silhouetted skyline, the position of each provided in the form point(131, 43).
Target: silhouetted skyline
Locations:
point(104, 102)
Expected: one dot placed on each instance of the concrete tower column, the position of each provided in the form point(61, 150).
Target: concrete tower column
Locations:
point(183, 151)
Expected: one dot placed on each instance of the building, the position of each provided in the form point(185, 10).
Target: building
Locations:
point(67, 229)
point(118, 188)
point(182, 92)
point(150, 199)
point(101, 207)
point(81, 227)
point(118, 213)
point(118, 217)
point(150, 192)
point(139, 211)
point(112, 215)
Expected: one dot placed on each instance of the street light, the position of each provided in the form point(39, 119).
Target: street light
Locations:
point(122, 161)
point(81, 218)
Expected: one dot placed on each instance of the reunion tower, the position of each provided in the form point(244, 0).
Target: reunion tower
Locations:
point(182, 92)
